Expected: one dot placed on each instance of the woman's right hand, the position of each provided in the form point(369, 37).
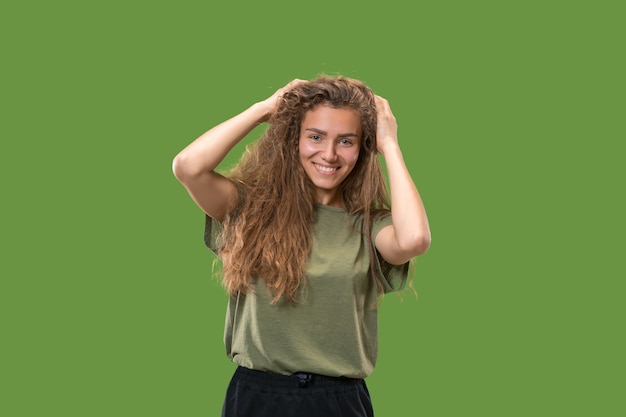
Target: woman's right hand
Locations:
point(271, 103)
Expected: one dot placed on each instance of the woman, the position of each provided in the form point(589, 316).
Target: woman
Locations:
point(308, 243)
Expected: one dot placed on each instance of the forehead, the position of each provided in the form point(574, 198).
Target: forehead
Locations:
point(332, 119)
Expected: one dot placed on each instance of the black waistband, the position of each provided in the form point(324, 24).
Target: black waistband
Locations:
point(298, 379)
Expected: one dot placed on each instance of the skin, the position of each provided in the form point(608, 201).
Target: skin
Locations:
point(409, 233)
point(329, 146)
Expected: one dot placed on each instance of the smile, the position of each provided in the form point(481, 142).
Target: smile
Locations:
point(322, 168)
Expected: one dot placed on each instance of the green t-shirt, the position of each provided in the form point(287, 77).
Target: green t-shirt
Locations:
point(334, 330)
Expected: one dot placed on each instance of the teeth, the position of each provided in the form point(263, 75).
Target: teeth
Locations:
point(326, 169)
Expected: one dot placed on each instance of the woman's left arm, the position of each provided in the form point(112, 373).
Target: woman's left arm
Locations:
point(409, 233)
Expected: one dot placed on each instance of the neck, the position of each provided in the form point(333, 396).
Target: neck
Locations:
point(330, 199)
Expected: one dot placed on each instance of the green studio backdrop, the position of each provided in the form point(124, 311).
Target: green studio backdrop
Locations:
point(509, 118)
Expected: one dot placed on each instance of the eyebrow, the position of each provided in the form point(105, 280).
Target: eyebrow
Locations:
point(321, 132)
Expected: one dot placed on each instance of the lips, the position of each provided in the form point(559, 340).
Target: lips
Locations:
point(325, 169)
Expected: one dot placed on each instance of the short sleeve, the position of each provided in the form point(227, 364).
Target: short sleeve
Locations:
point(394, 276)
point(212, 230)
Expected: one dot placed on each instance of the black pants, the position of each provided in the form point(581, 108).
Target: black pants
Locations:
point(260, 394)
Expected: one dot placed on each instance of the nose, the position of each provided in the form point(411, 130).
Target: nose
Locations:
point(329, 153)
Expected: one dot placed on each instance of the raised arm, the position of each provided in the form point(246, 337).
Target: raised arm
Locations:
point(409, 233)
point(195, 165)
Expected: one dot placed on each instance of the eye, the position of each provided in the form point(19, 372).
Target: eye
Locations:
point(315, 137)
point(346, 142)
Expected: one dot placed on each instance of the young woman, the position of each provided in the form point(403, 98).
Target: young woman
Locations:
point(308, 243)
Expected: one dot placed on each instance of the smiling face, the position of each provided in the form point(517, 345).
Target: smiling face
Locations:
point(329, 144)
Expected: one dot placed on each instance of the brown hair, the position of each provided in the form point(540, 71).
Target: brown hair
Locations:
point(268, 234)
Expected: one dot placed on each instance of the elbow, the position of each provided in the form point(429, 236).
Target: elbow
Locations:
point(178, 168)
point(423, 244)
point(182, 168)
point(417, 245)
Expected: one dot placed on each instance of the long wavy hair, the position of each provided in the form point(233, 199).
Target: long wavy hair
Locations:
point(268, 234)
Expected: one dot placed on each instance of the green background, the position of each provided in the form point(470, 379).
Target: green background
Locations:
point(511, 118)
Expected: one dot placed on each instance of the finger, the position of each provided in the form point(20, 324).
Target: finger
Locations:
point(292, 84)
point(295, 83)
point(382, 104)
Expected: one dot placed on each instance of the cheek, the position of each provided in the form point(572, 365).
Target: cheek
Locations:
point(305, 150)
point(352, 156)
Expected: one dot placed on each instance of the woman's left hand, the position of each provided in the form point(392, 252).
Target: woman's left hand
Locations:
point(387, 128)
point(409, 233)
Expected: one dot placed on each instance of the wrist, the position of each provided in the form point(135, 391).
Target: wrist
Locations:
point(389, 148)
point(261, 111)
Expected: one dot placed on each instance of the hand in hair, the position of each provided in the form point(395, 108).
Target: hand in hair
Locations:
point(387, 128)
point(195, 165)
point(409, 235)
point(271, 103)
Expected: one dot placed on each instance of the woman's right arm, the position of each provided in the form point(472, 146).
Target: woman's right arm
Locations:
point(195, 165)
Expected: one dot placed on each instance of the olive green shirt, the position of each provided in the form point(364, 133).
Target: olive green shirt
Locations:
point(333, 331)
